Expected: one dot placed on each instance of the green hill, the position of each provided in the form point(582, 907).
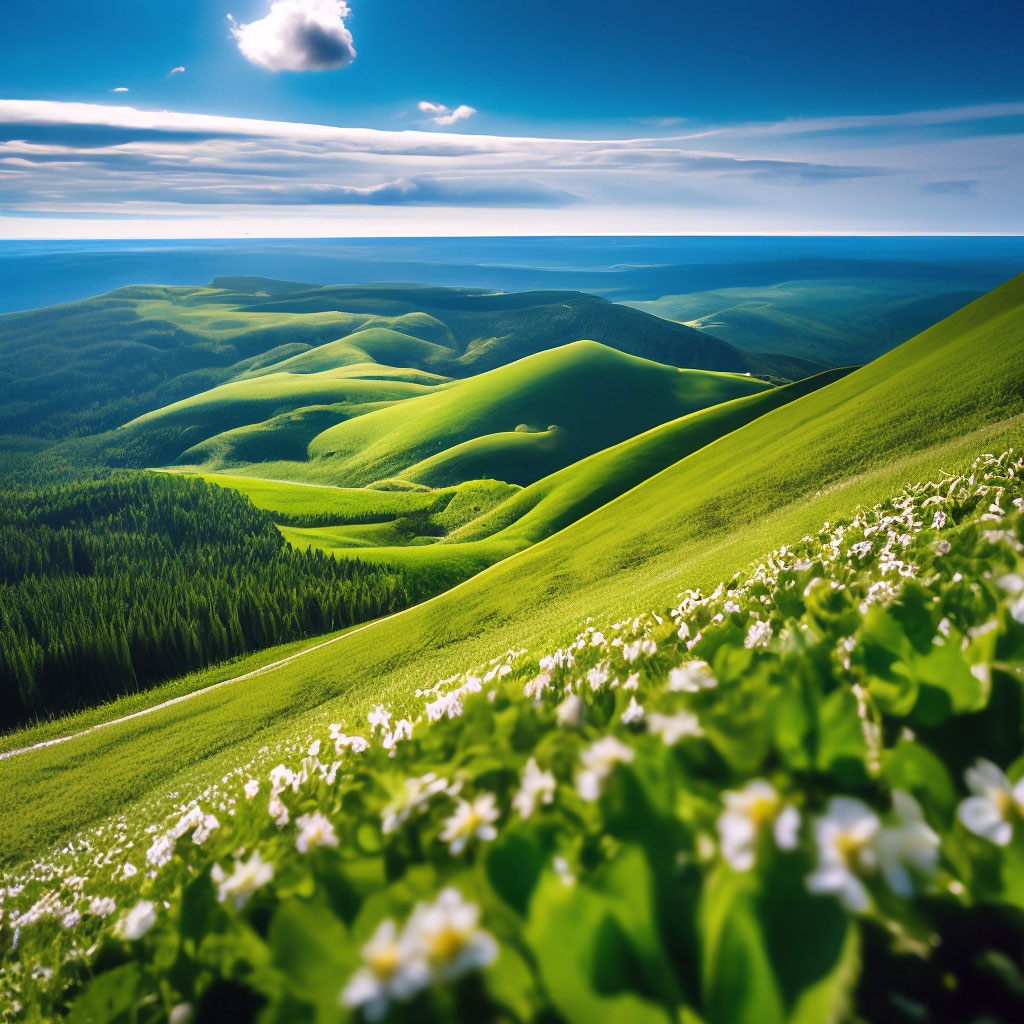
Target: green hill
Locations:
point(87, 367)
point(818, 318)
point(935, 402)
point(521, 421)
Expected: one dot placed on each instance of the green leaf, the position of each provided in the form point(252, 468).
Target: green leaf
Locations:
point(108, 997)
point(584, 957)
point(310, 946)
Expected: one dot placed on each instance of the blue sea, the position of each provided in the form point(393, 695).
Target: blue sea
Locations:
point(620, 268)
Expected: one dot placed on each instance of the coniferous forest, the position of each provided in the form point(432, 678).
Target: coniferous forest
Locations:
point(111, 586)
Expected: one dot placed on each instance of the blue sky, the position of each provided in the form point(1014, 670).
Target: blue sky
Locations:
point(726, 117)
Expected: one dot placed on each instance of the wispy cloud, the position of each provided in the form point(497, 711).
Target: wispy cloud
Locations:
point(179, 70)
point(297, 35)
point(91, 158)
point(120, 88)
point(444, 116)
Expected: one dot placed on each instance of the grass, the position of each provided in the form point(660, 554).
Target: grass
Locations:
point(931, 404)
point(133, 702)
point(346, 504)
point(86, 368)
point(595, 396)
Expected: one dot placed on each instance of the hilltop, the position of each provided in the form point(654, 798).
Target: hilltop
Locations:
point(87, 367)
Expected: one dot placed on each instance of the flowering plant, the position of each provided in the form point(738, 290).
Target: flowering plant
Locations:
point(796, 798)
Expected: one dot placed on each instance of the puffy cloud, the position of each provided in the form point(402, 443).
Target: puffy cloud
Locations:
point(178, 70)
point(442, 115)
point(120, 88)
point(297, 35)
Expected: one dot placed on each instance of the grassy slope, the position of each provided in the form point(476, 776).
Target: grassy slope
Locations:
point(238, 404)
point(596, 395)
point(84, 368)
point(552, 503)
point(938, 400)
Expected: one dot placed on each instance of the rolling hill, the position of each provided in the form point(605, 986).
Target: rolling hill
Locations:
point(933, 403)
point(519, 422)
point(88, 367)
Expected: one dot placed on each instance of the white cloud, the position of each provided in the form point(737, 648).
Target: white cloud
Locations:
point(297, 35)
point(444, 116)
point(178, 70)
point(98, 160)
point(120, 88)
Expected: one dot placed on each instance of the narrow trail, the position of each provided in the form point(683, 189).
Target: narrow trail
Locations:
point(195, 693)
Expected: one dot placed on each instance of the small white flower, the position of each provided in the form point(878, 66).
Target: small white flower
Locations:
point(845, 837)
point(748, 813)
point(569, 714)
point(691, 677)
point(379, 716)
point(137, 921)
point(416, 794)
point(598, 676)
point(536, 787)
point(182, 1013)
point(535, 688)
point(447, 933)
point(252, 787)
point(598, 760)
point(634, 713)
point(102, 906)
point(314, 748)
point(203, 831)
point(71, 918)
point(471, 820)
point(244, 880)
point(315, 829)
point(758, 635)
point(128, 870)
point(160, 852)
point(996, 805)
point(673, 728)
point(393, 971)
point(630, 652)
point(908, 848)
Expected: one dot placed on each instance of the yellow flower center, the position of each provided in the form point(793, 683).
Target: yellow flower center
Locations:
point(384, 962)
point(446, 944)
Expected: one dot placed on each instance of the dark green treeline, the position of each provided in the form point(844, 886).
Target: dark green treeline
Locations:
point(108, 587)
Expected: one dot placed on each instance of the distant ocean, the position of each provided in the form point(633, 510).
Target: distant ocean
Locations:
point(621, 268)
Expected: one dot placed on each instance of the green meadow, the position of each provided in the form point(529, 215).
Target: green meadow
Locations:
point(928, 405)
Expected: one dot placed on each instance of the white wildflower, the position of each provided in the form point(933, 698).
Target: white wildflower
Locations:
point(102, 906)
point(244, 880)
point(535, 787)
point(845, 837)
point(759, 634)
point(569, 714)
point(379, 716)
point(673, 728)
point(393, 971)
point(160, 852)
point(996, 804)
point(137, 921)
point(251, 788)
point(908, 848)
point(598, 760)
point(447, 933)
point(471, 820)
point(691, 677)
point(748, 814)
point(315, 829)
point(634, 713)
